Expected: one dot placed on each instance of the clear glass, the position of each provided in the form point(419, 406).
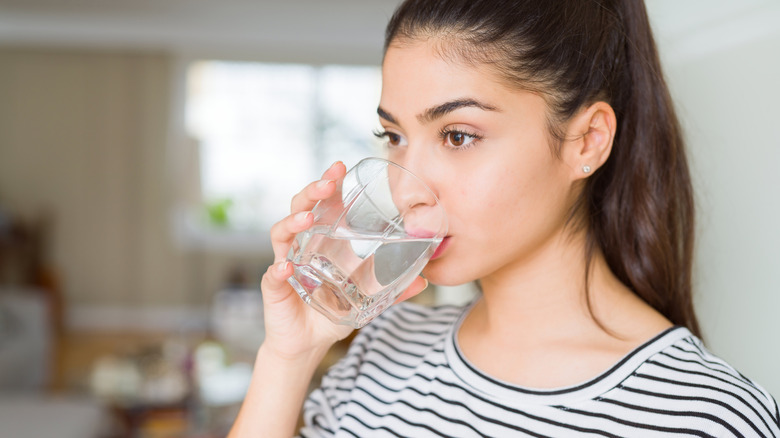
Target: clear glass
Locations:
point(368, 243)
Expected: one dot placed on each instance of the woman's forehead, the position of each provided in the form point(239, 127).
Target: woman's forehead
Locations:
point(416, 78)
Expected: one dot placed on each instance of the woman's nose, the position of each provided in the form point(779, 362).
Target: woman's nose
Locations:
point(409, 190)
point(418, 205)
point(415, 193)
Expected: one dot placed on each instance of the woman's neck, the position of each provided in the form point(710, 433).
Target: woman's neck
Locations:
point(535, 312)
point(544, 290)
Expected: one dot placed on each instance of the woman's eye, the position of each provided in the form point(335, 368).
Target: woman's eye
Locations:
point(459, 139)
point(391, 138)
point(456, 138)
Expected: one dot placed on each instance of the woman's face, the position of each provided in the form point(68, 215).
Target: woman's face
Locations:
point(483, 148)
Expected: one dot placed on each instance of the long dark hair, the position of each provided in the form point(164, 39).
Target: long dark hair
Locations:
point(638, 207)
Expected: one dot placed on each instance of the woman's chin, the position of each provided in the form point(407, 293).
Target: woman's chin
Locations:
point(440, 273)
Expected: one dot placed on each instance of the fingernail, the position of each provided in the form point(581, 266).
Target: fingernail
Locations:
point(323, 182)
point(332, 165)
point(426, 284)
point(283, 267)
point(301, 217)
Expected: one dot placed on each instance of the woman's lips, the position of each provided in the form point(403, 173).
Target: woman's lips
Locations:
point(440, 249)
point(425, 234)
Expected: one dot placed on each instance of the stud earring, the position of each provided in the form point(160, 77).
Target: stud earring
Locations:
point(586, 168)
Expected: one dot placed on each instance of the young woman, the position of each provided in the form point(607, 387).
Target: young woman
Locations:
point(547, 132)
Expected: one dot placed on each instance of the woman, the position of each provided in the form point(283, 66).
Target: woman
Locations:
point(547, 132)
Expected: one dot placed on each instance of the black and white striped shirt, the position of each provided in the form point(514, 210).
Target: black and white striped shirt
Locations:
point(404, 376)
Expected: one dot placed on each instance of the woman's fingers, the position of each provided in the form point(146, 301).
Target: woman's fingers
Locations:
point(284, 231)
point(308, 197)
point(418, 285)
point(274, 282)
point(336, 171)
point(319, 190)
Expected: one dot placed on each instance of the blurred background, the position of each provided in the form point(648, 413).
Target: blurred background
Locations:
point(146, 146)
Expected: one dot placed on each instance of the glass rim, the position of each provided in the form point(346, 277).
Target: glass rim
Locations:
point(445, 219)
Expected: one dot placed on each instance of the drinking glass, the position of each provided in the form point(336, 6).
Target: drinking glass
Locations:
point(369, 241)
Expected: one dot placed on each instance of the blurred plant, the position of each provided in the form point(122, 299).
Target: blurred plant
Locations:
point(218, 212)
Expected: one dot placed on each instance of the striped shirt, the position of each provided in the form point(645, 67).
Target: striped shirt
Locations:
point(404, 376)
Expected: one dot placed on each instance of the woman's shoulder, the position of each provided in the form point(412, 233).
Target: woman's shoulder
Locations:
point(406, 332)
point(420, 313)
point(689, 356)
point(409, 325)
point(687, 371)
point(418, 318)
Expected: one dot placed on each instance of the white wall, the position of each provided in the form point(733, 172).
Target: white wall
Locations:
point(722, 61)
point(729, 105)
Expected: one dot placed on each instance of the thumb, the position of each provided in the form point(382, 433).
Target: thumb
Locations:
point(274, 283)
point(418, 285)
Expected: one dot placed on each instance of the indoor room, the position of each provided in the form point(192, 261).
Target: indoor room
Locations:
point(146, 148)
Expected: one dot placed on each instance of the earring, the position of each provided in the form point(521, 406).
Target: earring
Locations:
point(586, 168)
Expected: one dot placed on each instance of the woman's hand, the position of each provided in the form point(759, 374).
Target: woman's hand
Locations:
point(293, 328)
point(296, 335)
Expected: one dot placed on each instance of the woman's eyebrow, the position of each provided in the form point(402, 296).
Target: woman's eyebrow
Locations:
point(386, 115)
point(438, 111)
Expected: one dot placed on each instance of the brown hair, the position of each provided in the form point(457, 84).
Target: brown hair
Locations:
point(638, 207)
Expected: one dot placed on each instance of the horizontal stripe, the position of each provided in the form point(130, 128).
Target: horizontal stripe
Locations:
point(637, 425)
point(733, 388)
point(474, 397)
point(403, 377)
point(709, 400)
point(705, 400)
point(419, 409)
point(707, 416)
point(399, 419)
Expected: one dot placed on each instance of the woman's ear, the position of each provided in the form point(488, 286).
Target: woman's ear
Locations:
point(589, 137)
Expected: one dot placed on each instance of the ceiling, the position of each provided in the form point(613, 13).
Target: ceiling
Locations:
point(348, 29)
point(244, 27)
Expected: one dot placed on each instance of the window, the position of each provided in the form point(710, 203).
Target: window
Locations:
point(263, 131)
